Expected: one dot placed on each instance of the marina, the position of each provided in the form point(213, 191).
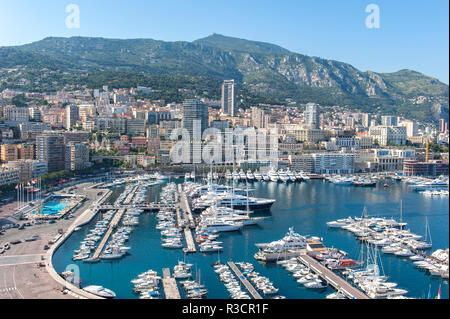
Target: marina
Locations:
point(240, 244)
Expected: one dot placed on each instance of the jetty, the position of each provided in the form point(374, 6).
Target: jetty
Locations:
point(186, 208)
point(331, 278)
point(189, 241)
point(112, 225)
point(244, 281)
point(170, 285)
point(130, 196)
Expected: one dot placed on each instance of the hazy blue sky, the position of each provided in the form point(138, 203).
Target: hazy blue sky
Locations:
point(413, 34)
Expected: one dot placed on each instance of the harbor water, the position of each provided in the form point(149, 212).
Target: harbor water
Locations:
point(306, 206)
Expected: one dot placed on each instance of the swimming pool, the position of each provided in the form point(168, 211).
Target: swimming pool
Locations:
point(52, 208)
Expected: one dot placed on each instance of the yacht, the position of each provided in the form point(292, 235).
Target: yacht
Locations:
point(291, 176)
point(287, 247)
point(283, 176)
point(228, 175)
point(250, 175)
point(258, 176)
point(242, 175)
point(221, 225)
point(187, 176)
point(238, 202)
point(100, 291)
point(273, 175)
point(210, 248)
point(304, 176)
point(160, 177)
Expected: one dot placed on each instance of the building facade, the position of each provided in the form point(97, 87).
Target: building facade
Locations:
point(228, 98)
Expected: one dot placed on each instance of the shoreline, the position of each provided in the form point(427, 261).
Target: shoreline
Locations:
point(89, 214)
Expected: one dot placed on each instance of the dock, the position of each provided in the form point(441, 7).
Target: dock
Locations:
point(189, 240)
point(179, 220)
point(112, 225)
point(244, 281)
point(186, 208)
point(130, 196)
point(331, 278)
point(170, 285)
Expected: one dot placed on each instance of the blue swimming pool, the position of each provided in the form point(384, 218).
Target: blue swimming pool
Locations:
point(52, 208)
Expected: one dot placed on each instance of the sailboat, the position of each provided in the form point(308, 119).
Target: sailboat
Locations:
point(427, 243)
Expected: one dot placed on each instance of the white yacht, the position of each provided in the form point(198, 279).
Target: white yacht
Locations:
point(239, 202)
point(304, 176)
point(258, 175)
point(273, 175)
point(221, 225)
point(236, 176)
point(283, 176)
point(291, 175)
point(250, 175)
point(100, 291)
point(287, 247)
point(228, 175)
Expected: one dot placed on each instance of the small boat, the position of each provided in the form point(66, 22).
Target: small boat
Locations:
point(100, 291)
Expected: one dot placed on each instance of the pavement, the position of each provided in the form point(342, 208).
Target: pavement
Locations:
point(23, 274)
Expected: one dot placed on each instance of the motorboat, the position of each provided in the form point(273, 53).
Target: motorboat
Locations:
point(100, 291)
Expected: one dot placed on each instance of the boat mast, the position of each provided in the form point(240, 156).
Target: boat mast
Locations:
point(427, 230)
point(401, 213)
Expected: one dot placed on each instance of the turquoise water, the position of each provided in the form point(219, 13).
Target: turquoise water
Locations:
point(52, 208)
point(307, 207)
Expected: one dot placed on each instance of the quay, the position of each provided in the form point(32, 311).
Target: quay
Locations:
point(130, 196)
point(179, 221)
point(244, 281)
point(112, 226)
point(185, 206)
point(186, 209)
point(189, 241)
point(331, 278)
point(170, 285)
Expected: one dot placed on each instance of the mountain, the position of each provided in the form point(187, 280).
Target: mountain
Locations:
point(261, 69)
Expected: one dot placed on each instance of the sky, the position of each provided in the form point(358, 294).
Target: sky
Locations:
point(412, 34)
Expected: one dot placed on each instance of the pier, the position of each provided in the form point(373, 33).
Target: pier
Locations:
point(114, 222)
point(244, 281)
point(331, 278)
point(170, 285)
point(185, 207)
point(151, 206)
point(130, 196)
point(189, 240)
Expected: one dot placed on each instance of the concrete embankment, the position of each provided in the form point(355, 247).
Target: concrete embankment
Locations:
point(83, 219)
